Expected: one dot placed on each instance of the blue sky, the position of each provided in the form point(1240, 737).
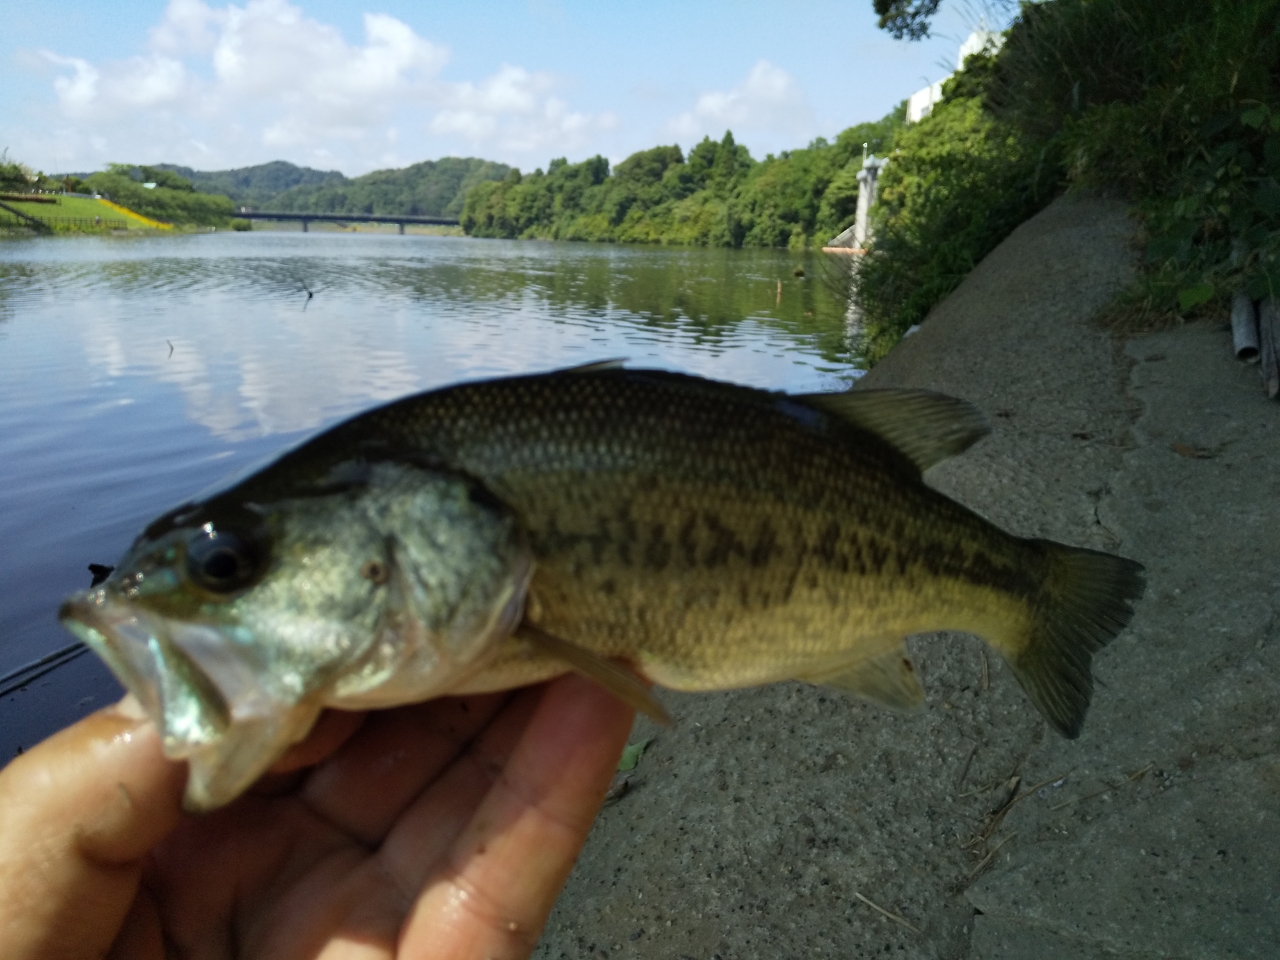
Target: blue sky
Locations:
point(368, 84)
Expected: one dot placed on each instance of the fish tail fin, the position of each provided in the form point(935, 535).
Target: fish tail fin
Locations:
point(1087, 599)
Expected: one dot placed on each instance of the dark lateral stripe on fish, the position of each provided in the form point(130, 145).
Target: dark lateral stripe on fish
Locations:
point(703, 540)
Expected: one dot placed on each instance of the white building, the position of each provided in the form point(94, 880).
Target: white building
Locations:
point(857, 236)
point(920, 104)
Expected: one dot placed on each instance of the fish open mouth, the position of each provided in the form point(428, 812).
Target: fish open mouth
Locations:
point(202, 697)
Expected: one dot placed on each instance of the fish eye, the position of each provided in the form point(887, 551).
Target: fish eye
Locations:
point(221, 561)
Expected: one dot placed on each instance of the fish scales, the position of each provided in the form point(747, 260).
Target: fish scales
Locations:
point(498, 533)
point(672, 521)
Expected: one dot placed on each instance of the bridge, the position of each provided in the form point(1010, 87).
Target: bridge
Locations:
point(306, 218)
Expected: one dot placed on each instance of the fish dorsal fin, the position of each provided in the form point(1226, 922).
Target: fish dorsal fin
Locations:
point(927, 427)
point(596, 366)
point(616, 679)
point(889, 680)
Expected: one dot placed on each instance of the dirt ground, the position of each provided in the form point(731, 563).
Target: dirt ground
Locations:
point(793, 821)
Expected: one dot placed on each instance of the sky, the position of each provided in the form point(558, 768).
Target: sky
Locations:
point(359, 85)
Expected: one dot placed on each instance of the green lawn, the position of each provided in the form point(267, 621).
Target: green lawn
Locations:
point(67, 210)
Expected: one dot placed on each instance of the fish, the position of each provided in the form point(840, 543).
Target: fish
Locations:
point(636, 526)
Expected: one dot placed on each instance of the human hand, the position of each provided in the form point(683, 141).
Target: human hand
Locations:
point(444, 829)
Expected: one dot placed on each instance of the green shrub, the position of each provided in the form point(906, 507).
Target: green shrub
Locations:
point(173, 201)
point(958, 182)
point(241, 224)
point(1173, 103)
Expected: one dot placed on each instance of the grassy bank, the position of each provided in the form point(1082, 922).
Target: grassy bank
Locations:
point(72, 214)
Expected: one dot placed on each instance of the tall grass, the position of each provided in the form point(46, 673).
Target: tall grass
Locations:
point(1173, 103)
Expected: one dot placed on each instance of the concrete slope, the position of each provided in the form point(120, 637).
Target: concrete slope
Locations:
point(758, 826)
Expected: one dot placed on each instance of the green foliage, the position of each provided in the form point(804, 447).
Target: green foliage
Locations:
point(906, 19)
point(433, 188)
point(957, 184)
point(258, 185)
point(1172, 103)
point(241, 225)
point(716, 196)
point(1175, 104)
point(14, 177)
point(172, 200)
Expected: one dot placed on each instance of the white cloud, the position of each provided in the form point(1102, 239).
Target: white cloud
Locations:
point(769, 100)
point(515, 109)
point(77, 92)
point(186, 28)
point(120, 85)
point(264, 80)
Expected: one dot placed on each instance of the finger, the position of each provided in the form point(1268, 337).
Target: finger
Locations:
point(363, 788)
point(77, 815)
point(331, 731)
point(502, 875)
point(425, 833)
point(365, 910)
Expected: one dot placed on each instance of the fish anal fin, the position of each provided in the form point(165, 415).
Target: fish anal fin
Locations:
point(927, 427)
point(889, 680)
point(615, 678)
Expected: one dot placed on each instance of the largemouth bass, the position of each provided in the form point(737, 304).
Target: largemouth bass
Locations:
point(495, 534)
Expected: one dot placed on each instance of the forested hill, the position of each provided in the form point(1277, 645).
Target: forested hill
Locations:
point(433, 188)
point(717, 195)
point(254, 186)
point(430, 188)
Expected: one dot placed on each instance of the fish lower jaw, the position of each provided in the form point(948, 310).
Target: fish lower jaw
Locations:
point(216, 718)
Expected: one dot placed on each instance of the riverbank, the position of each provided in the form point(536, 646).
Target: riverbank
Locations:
point(770, 821)
point(72, 214)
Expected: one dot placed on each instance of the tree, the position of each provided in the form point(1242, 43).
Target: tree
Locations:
point(907, 19)
point(14, 177)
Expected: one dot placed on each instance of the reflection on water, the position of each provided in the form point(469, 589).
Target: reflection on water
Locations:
point(133, 373)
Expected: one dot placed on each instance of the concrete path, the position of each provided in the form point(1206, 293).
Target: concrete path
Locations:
point(769, 822)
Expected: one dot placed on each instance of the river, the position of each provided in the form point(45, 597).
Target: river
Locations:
point(136, 372)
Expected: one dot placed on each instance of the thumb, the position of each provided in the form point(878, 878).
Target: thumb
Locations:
point(78, 814)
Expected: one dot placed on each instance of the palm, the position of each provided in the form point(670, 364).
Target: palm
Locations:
point(448, 826)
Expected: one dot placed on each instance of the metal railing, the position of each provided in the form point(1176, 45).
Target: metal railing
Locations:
point(107, 223)
point(25, 219)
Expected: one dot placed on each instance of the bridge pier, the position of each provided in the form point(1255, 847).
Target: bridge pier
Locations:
point(401, 225)
point(304, 226)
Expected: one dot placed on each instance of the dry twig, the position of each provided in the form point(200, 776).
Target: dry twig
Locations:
point(881, 910)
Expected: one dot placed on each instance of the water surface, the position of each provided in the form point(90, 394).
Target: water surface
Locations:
point(134, 373)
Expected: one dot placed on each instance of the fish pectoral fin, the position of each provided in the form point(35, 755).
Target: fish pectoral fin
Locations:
point(889, 680)
point(619, 681)
point(928, 427)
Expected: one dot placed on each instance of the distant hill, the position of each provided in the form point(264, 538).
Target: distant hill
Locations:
point(431, 188)
point(254, 186)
